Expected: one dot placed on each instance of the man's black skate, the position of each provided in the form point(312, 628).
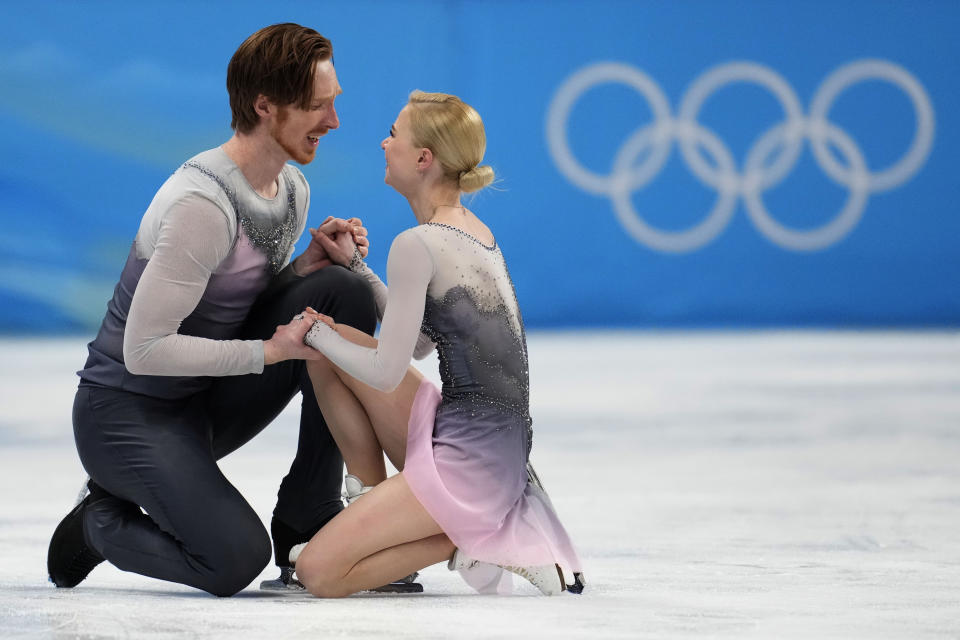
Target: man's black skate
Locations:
point(286, 582)
point(69, 558)
point(284, 538)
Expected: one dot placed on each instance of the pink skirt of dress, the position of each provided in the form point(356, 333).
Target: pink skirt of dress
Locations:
point(467, 487)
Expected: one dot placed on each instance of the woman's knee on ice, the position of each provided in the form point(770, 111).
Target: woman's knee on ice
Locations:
point(320, 576)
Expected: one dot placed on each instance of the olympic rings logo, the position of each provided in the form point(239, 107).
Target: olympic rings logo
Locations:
point(783, 142)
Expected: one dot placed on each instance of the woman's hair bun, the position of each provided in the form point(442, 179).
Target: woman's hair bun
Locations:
point(476, 178)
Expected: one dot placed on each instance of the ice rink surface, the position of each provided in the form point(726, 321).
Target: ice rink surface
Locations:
point(764, 485)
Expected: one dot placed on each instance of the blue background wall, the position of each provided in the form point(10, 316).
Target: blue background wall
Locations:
point(100, 102)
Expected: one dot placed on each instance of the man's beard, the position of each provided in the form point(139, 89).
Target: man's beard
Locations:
point(296, 152)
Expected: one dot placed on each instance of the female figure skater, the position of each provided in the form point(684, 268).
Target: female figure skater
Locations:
point(465, 493)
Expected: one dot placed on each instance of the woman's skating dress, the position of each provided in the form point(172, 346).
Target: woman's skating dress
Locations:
point(467, 445)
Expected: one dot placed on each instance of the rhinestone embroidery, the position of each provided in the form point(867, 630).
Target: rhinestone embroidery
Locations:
point(477, 328)
point(464, 234)
point(274, 241)
point(356, 261)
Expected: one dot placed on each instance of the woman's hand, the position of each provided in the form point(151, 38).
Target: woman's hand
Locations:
point(317, 334)
point(339, 248)
point(316, 257)
point(360, 236)
point(327, 320)
point(338, 245)
point(287, 340)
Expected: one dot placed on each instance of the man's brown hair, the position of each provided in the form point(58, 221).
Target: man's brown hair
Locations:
point(279, 62)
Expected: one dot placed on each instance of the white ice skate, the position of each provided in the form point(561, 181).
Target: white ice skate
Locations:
point(579, 581)
point(353, 488)
point(295, 551)
point(547, 577)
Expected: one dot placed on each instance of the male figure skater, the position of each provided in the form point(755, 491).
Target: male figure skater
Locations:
point(197, 352)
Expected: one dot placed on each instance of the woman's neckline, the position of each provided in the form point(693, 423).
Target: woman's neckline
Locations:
point(488, 247)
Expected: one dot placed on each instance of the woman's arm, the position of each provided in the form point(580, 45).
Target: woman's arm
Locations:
point(409, 270)
point(346, 254)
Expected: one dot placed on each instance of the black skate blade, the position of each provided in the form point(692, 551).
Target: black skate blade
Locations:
point(287, 583)
point(278, 586)
point(399, 587)
point(579, 582)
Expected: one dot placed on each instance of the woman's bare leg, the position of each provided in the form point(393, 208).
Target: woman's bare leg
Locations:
point(364, 421)
point(348, 423)
point(387, 534)
point(381, 538)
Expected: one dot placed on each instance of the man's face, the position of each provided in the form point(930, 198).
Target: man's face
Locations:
point(297, 130)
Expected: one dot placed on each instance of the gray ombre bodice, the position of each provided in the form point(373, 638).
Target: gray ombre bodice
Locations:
point(263, 232)
point(472, 315)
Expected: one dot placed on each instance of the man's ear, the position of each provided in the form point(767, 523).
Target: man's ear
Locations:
point(263, 106)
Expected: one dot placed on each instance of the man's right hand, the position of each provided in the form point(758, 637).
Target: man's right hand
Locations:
point(287, 340)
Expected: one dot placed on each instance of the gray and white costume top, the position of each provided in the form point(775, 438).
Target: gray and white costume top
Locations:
point(468, 446)
point(448, 289)
point(207, 246)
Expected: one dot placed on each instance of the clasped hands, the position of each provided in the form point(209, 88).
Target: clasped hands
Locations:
point(332, 242)
point(287, 340)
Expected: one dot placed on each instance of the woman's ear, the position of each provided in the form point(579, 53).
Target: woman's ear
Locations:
point(425, 159)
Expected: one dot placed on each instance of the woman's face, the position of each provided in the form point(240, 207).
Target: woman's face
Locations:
point(401, 154)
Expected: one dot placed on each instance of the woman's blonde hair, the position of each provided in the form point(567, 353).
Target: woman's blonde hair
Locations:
point(453, 131)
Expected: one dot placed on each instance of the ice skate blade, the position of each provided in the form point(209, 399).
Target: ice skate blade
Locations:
point(277, 585)
point(398, 587)
point(579, 582)
point(295, 587)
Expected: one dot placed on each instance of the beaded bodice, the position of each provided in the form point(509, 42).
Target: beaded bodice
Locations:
point(214, 244)
point(472, 315)
point(274, 240)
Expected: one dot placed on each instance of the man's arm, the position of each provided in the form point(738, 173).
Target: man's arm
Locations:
point(194, 238)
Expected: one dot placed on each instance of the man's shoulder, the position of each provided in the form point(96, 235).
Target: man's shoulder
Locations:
point(196, 175)
point(202, 176)
point(212, 161)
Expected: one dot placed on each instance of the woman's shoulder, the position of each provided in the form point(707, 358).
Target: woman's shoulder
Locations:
point(445, 233)
point(413, 238)
point(410, 250)
point(431, 236)
point(421, 241)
